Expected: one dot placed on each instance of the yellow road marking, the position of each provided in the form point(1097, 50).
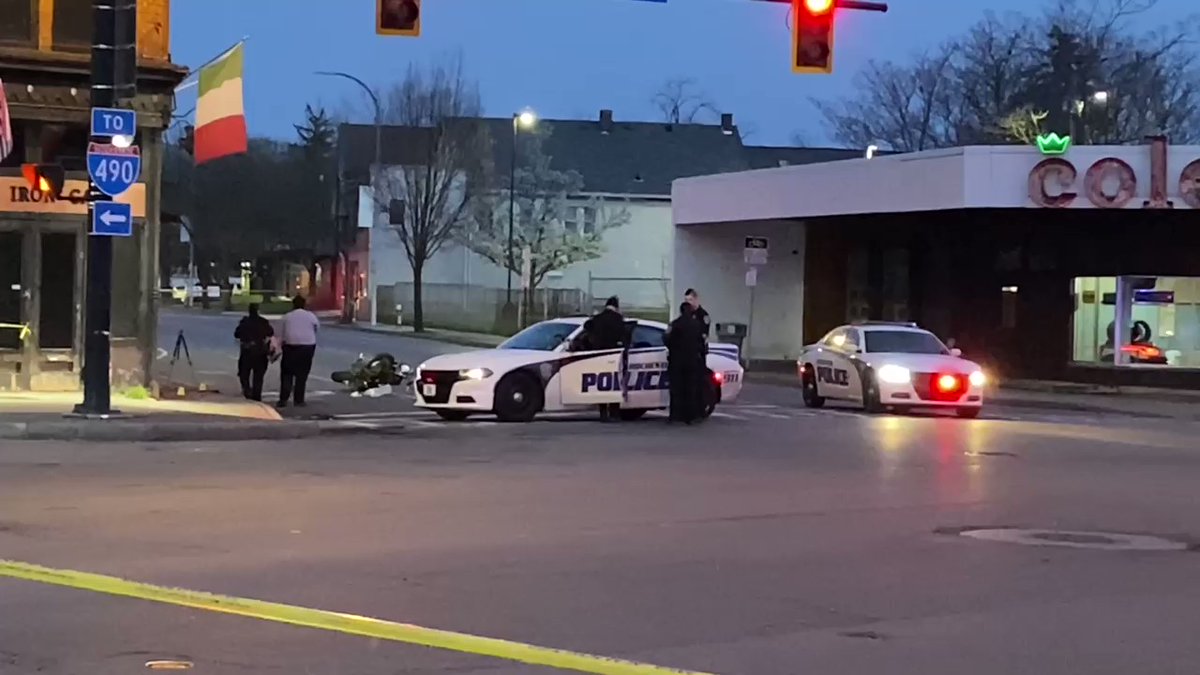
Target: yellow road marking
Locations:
point(336, 621)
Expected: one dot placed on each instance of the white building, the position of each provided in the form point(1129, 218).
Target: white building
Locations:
point(630, 165)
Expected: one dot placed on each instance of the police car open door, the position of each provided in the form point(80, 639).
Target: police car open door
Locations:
point(636, 377)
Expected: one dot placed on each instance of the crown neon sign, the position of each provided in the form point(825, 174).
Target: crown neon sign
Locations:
point(1053, 144)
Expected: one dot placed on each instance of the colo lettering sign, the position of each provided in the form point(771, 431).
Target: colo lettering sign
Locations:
point(1110, 183)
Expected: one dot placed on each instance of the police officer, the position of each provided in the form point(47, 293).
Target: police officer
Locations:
point(699, 313)
point(685, 365)
point(606, 330)
point(254, 334)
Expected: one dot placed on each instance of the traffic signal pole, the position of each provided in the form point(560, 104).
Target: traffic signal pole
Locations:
point(97, 356)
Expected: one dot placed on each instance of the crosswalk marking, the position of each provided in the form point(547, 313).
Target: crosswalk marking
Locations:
point(734, 413)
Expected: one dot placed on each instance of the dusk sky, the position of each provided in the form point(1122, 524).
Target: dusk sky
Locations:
point(567, 58)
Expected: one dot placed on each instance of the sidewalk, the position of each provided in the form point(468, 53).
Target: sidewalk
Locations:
point(43, 416)
point(478, 340)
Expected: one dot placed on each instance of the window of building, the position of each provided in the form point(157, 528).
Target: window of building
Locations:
point(858, 281)
point(589, 219)
point(17, 21)
point(1164, 321)
point(72, 25)
point(571, 218)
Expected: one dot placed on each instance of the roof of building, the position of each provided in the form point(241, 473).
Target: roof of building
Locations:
point(774, 156)
point(636, 158)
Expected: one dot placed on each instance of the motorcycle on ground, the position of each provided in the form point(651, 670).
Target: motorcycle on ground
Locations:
point(374, 377)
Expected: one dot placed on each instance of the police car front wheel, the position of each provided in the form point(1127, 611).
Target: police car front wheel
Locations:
point(518, 398)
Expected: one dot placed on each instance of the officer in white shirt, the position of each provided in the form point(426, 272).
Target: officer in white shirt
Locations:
point(298, 335)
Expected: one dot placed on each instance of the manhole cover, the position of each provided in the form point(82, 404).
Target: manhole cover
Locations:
point(1108, 541)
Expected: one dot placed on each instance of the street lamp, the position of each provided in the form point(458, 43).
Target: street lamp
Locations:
point(347, 315)
point(1100, 97)
point(523, 120)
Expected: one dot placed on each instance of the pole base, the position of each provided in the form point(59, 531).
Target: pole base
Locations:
point(81, 413)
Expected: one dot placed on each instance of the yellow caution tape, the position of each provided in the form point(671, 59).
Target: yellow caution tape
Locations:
point(23, 327)
point(338, 622)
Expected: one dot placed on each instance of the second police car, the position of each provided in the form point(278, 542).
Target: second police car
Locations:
point(889, 365)
point(539, 370)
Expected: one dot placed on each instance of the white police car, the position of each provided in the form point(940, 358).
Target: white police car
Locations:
point(536, 371)
point(889, 365)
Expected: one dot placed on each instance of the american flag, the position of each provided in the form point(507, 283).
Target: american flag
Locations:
point(6, 137)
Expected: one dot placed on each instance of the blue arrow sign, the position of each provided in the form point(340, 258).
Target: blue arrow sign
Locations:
point(113, 122)
point(114, 170)
point(112, 219)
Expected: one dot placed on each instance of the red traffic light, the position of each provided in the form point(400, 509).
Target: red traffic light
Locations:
point(45, 178)
point(398, 17)
point(812, 36)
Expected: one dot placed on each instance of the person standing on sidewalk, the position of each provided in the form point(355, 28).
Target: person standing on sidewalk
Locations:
point(299, 339)
point(254, 334)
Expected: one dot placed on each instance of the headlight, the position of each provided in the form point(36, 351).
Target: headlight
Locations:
point(475, 374)
point(978, 379)
point(893, 374)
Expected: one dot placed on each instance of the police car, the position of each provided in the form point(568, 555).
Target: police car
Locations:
point(889, 365)
point(539, 370)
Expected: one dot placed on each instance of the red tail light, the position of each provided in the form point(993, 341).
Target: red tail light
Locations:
point(718, 377)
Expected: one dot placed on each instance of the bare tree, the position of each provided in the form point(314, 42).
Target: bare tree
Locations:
point(905, 108)
point(429, 195)
point(1078, 69)
point(681, 102)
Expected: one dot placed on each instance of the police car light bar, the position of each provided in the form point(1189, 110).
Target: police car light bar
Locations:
point(908, 324)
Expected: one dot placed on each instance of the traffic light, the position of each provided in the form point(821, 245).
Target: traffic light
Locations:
point(45, 178)
point(812, 36)
point(398, 17)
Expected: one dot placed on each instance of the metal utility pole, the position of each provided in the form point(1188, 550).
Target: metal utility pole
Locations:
point(114, 74)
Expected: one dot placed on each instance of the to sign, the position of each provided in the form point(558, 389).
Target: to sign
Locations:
point(1110, 183)
point(114, 170)
point(113, 122)
point(755, 252)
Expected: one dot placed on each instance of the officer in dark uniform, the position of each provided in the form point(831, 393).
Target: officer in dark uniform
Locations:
point(254, 334)
point(685, 365)
point(606, 330)
point(699, 313)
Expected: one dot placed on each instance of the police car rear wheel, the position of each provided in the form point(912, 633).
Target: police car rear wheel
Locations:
point(812, 399)
point(518, 398)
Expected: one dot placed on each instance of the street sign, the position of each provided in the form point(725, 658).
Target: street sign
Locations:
point(113, 122)
point(755, 252)
point(114, 170)
point(751, 277)
point(112, 219)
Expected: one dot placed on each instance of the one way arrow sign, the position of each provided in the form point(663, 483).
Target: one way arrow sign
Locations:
point(112, 219)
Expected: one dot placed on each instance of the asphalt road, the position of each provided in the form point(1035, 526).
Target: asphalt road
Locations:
point(769, 545)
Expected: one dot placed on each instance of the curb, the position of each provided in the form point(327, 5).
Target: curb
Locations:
point(118, 431)
point(431, 336)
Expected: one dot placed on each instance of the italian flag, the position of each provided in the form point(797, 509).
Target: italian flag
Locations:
point(220, 115)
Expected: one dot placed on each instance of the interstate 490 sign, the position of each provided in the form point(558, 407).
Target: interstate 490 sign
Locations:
point(114, 170)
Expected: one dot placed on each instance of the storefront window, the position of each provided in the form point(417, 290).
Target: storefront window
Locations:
point(1164, 326)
